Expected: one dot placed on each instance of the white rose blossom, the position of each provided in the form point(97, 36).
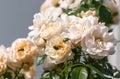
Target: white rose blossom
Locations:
point(45, 33)
point(45, 25)
point(4, 58)
point(34, 36)
point(88, 13)
point(76, 27)
point(71, 4)
point(75, 4)
point(13, 63)
point(50, 30)
point(43, 18)
point(58, 50)
point(98, 42)
point(22, 49)
point(63, 4)
point(47, 4)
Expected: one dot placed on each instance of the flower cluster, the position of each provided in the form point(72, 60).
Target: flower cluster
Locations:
point(17, 57)
point(59, 33)
point(70, 37)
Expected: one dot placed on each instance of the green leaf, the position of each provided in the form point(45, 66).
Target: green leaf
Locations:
point(40, 60)
point(68, 67)
point(111, 70)
point(77, 51)
point(67, 11)
point(79, 73)
point(79, 10)
point(45, 74)
point(98, 3)
point(9, 74)
point(75, 12)
point(90, 3)
point(66, 39)
point(105, 59)
point(107, 72)
point(21, 77)
point(116, 73)
point(95, 70)
point(49, 75)
point(44, 78)
point(107, 69)
point(52, 74)
point(105, 14)
point(110, 30)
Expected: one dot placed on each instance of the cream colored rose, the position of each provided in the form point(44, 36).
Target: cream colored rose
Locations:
point(13, 63)
point(50, 30)
point(55, 3)
point(87, 23)
point(72, 27)
point(45, 33)
point(35, 37)
point(88, 13)
point(23, 49)
point(65, 3)
point(45, 25)
point(76, 28)
point(98, 42)
point(75, 4)
point(3, 68)
point(3, 59)
point(71, 4)
point(48, 4)
point(43, 18)
point(53, 13)
point(75, 31)
point(58, 49)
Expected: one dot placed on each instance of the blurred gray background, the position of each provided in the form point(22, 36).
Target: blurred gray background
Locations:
point(17, 15)
point(15, 18)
